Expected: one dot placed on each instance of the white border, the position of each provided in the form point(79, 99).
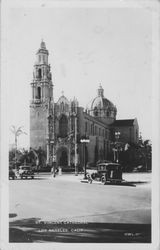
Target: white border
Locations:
point(152, 6)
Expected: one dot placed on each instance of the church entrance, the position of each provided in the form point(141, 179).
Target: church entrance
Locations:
point(63, 161)
point(62, 157)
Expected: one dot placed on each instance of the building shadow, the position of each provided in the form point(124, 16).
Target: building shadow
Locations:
point(34, 230)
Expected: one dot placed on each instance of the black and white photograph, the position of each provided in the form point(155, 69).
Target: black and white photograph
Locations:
point(79, 124)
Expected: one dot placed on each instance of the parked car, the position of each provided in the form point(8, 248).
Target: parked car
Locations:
point(108, 172)
point(25, 172)
point(12, 174)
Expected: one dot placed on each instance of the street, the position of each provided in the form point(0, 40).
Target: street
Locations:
point(65, 199)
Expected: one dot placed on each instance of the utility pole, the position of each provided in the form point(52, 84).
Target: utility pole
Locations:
point(84, 140)
point(117, 135)
point(74, 114)
point(75, 146)
point(50, 139)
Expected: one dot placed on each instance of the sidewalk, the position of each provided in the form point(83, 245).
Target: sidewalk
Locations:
point(68, 177)
point(63, 176)
point(71, 177)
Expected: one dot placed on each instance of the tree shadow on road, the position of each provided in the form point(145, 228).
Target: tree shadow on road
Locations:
point(12, 215)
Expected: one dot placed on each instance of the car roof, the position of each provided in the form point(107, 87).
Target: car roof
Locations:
point(24, 166)
point(108, 164)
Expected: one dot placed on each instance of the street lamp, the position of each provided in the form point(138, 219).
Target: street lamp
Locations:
point(50, 139)
point(117, 135)
point(74, 115)
point(84, 140)
point(75, 146)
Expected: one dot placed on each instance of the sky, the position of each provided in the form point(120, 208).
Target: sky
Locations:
point(87, 47)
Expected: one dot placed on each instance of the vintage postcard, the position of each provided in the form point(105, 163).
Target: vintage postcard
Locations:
point(79, 124)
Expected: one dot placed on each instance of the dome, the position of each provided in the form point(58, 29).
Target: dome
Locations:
point(102, 107)
point(101, 103)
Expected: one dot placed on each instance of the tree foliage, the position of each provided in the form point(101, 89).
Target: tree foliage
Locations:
point(33, 157)
point(137, 155)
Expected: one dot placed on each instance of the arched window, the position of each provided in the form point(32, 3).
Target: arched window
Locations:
point(39, 92)
point(86, 126)
point(63, 126)
point(62, 106)
point(95, 129)
point(39, 73)
point(95, 111)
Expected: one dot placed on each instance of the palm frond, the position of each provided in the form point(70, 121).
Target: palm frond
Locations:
point(17, 131)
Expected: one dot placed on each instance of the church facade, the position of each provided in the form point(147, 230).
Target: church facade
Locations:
point(70, 135)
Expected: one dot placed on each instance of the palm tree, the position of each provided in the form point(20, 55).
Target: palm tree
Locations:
point(17, 132)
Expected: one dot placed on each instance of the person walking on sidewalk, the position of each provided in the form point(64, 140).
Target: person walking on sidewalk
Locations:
point(53, 169)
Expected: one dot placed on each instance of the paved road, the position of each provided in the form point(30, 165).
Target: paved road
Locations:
point(65, 198)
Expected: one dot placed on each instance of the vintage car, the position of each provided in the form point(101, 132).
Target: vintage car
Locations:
point(26, 172)
point(107, 173)
point(12, 173)
point(110, 172)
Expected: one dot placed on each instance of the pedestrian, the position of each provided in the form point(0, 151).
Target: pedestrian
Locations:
point(60, 170)
point(89, 178)
point(52, 171)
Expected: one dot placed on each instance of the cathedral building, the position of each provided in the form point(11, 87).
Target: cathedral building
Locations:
point(69, 134)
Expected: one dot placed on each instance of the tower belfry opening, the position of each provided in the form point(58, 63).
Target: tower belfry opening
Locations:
point(39, 92)
point(40, 73)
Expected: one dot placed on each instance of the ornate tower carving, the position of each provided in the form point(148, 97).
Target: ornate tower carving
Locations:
point(42, 105)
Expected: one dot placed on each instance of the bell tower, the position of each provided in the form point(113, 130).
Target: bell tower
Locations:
point(42, 87)
point(41, 105)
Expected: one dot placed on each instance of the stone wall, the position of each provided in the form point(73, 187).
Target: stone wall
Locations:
point(38, 128)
